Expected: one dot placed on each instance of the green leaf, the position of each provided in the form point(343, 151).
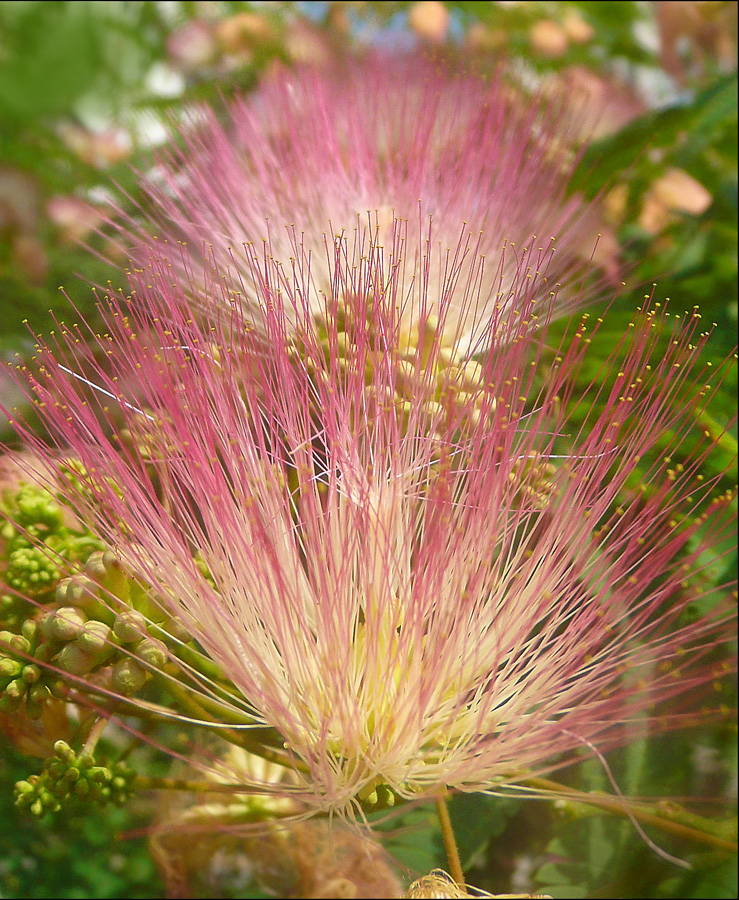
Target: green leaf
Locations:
point(476, 820)
point(692, 127)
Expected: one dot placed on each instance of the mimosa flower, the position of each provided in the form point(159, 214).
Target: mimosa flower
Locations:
point(414, 575)
point(378, 151)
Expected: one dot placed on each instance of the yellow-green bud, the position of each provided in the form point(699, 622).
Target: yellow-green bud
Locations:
point(95, 565)
point(82, 788)
point(94, 637)
point(129, 626)
point(38, 693)
point(10, 668)
point(80, 591)
point(31, 674)
point(60, 595)
point(177, 630)
point(16, 689)
point(59, 689)
point(66, 623)
point(407, 379)
point(72, 775)
point(44, 652)
point(128, 676)
point(468, 376)
point(75, 660)
point(64, 752)
point(110, 560)
point(17, 642)
point(152, 652)
point(29, 631)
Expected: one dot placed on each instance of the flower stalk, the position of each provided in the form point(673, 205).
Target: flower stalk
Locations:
point(450, 843)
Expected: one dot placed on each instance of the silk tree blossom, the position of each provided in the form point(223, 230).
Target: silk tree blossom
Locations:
point(415, 575)
point(316, 155)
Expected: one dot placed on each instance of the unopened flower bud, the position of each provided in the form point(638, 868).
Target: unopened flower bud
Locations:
point(17, 642)
point(64, 752)
point(75, 660)
point(176, 630)
point(38, 693)
point(16, 689)
point(29, 631)
point(66, 623)
point(94, 637)
point(82, 788)
point(128, 676)
point(31, 674)
point(129, 626)
point(110, 560)
point(100, 775)
point(45, 651)
point(60, 595)
point(59, 689)
point(95, 565)
point(55, 767)
point(152, 652)
point(80, 591)
point(45, 626)
point(10, 668)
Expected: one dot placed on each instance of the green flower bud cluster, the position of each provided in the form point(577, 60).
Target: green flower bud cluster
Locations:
point(31, 571)
point(24, 680)
point(68, 776)
point(33, 509)
point(34, 546)
point(81, 636)
point(85, 615)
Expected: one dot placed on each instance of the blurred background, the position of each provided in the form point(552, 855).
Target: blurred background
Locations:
point(87, 93)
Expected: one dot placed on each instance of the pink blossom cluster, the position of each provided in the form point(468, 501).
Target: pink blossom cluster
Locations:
point(459, 588)
point(389, 153)
point(343, 455)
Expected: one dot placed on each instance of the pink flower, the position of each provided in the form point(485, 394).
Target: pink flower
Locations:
point(379, 151)
point(415, 573)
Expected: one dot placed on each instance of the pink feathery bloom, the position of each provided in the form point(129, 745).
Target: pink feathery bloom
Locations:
point(315, 155)
point(415, 574)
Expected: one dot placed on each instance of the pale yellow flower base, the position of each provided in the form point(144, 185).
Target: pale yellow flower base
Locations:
point(439, 884)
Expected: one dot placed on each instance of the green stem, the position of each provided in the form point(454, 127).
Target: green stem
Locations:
point(172, 681)
point(256, 741)
point(150, 783)
point(618, 807)
point(450, 844)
